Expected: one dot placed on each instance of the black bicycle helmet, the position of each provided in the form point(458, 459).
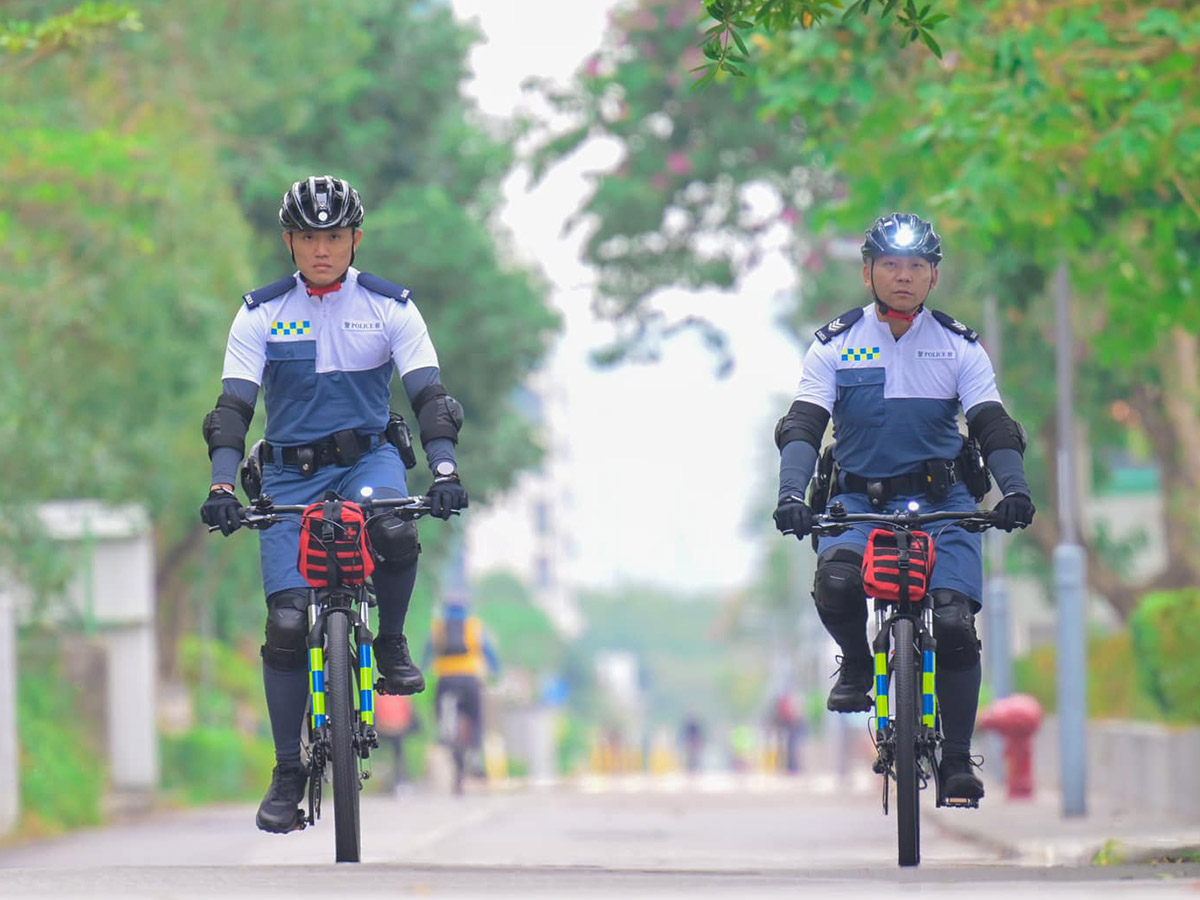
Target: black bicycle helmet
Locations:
point(902, 234)
point(319, 203)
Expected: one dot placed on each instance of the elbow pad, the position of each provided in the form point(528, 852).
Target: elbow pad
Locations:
point(803, 422)
point(438, 414)
point(995, 429)
point(226, 426)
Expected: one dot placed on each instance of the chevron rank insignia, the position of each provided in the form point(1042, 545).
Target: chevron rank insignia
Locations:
point(948, 321)
point(826, 333)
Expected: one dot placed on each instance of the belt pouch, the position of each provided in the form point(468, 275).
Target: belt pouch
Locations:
point(306, 459)
point(939, 477)
point(346, 449)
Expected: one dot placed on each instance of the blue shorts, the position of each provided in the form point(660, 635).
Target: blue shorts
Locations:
point(279, 545)
point(959, 564)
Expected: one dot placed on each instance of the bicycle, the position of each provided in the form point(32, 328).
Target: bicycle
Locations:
point(907, 732)
point(338, 730)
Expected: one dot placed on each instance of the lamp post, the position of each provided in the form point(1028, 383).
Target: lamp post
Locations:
point(1069, 571)
point(998, 652)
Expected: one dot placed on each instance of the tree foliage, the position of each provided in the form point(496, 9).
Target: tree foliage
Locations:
point(72, 29)
point(725, 43)
point(677, 210)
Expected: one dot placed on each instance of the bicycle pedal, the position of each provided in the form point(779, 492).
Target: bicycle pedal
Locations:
point(960, 803)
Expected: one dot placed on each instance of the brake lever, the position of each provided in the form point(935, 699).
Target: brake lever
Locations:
point(975, 526)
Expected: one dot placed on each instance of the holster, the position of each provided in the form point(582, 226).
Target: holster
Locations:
point(974, 469)
point(400, 437)
point(822, 484)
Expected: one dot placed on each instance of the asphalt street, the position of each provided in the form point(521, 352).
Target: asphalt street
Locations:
point(602, 837)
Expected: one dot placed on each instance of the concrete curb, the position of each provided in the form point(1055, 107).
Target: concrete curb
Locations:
point(1102, 844)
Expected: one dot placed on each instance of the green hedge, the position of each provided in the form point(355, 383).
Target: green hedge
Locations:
point(1114, 689)
point(62, 770)
point(211, 763)
point(1166, 636)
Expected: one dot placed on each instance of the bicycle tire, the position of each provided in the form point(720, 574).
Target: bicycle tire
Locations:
point(908, 717)
point(339, 689)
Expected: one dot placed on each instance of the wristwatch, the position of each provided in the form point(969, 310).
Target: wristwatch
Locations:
point(445, 469)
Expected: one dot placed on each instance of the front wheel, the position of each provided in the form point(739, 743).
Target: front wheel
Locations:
point(907, 692)
point(339, 688)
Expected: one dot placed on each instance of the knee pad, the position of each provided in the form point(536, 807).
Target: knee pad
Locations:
point(286, 645)
point(394, 542)
point(838, 587)
point(954, 629)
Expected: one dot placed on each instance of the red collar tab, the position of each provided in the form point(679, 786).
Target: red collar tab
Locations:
point(905, 317)
point(322, 291)
point(889, 313)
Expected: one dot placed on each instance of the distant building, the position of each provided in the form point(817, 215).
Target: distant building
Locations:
point(523, 531)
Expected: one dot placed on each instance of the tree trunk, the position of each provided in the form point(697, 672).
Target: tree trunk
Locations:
point(1171, 420)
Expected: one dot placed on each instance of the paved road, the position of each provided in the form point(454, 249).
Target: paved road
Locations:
point(606, 838)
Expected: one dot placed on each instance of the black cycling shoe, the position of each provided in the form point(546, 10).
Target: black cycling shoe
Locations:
point(851, 692)
point(399, 675)
point(957, 777)
point(280, 810)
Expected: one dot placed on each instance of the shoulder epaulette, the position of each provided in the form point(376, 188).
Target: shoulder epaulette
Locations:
point(397, 292)
point(828, 332)
point(948, 321)
point(270, 292)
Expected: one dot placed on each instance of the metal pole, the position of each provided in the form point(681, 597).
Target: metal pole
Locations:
point(9, 771)
point(998, 653)
point(1069, 571)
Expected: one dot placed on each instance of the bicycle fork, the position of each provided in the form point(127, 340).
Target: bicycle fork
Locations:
point(882, 647)
point(316, 663)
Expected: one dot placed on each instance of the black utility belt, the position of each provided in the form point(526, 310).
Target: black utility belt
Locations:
point(344, 448)
point(935, 481)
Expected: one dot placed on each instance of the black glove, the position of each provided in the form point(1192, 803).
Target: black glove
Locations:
point(1014, 511)
point(445, 495)
point(792, 516)
point(221, 509)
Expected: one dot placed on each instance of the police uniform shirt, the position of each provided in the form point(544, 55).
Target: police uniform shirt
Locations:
point(894, 403)
point(325, 362)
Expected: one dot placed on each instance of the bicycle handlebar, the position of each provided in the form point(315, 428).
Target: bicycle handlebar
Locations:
point(259, 516)
point(974, 520)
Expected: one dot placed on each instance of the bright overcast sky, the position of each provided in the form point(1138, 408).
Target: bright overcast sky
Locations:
point(647, 442)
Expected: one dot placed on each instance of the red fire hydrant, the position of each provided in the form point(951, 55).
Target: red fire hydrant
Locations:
point(1016, 718)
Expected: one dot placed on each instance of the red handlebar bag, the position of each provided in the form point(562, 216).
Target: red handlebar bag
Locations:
point(888, 554)
point(334, 548)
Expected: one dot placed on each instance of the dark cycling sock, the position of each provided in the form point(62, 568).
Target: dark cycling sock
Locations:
point(849, 631)
point(958, 698)
point(393, 591)
point(287, 694)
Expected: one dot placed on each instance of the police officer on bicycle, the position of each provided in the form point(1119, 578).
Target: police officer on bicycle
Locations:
point(893, 375)
point(461, 654)
point(322, 343)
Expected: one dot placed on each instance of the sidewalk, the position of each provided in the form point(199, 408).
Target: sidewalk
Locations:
point(1035, 833)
